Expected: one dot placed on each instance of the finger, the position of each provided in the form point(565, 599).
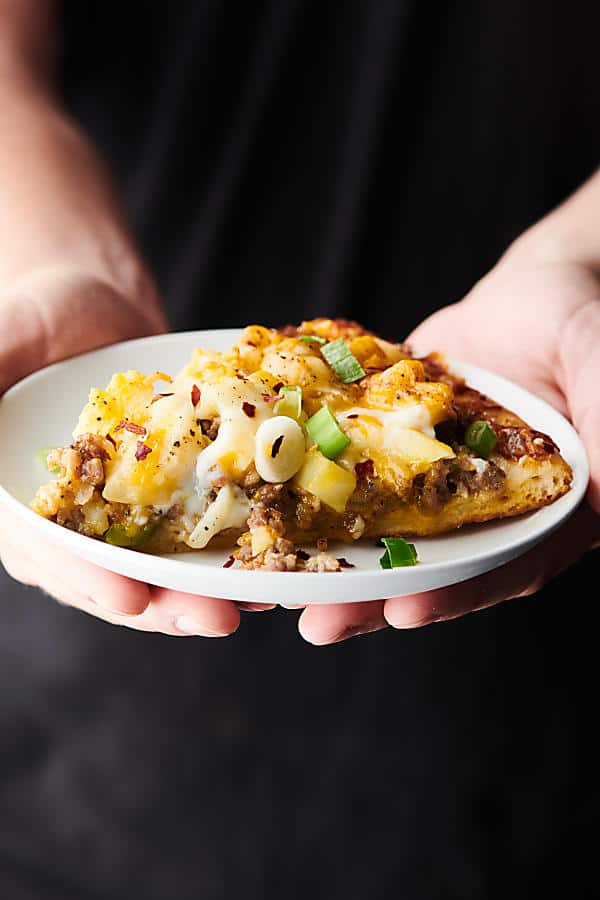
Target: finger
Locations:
point(445, 331)
point(416, 610)
point(19, 567)
point(519, 578)
point(191, 614)
point(165, 618)
point(112, 597)
point(331, 623)
point(43, 563)
point(167, 612)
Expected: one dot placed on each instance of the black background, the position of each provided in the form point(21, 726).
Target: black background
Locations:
point(282, 160)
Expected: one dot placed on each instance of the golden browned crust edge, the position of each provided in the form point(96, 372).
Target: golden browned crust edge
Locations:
point(528, 487)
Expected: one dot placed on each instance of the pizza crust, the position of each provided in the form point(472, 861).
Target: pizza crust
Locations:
point(530, 484)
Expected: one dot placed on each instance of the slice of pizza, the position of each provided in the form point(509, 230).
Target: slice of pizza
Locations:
point(295, 437)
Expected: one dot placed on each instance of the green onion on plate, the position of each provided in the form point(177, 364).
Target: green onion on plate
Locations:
point(397, 553)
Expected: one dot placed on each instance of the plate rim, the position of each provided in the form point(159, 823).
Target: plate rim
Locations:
point(126, 559)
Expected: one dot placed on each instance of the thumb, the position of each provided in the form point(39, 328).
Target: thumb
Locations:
point(438, 332)
point(579, 364)
point(571, 372)
point(56, 313)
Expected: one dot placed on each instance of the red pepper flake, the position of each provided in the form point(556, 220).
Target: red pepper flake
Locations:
point(251, 343)
point(365, 469)
point(240, 376)
point(121, 425)
point(352, 416)
point(249, 409)
point(268, 399)
point(195, 395)
point(112, 440)
point(228, 563)
point(345, 564)
point(142, 451)
point(135, 429)
point(302, 554)
point(276, 446)
point(277, 387)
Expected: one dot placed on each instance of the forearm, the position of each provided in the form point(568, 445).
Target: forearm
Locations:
point(56, 196)
point(28, 42)
point(58, 204)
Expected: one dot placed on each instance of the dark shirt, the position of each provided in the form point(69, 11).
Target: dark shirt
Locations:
point(282, 160)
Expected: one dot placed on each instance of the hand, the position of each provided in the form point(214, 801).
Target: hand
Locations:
point(71, 280)
point(537, 323)
point(48, 316)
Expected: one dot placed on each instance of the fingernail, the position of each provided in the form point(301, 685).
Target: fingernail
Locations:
point(255, 607)
point(186, 625)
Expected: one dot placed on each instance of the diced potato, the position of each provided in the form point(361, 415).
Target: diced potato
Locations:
point(326, 480)
point(418, 446)
point(263, 537)
point(96, 519)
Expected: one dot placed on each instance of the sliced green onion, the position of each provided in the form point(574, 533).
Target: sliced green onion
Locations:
point(42, 458)
point(343, 361)
point(324, 431)
point(397, 553)
point(480, 438)
point(312, 337)
point(290, 403)
point(130, 535)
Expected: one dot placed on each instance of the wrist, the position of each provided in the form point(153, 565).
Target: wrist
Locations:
point(545, 243)
point(62, 218)
point(28, 47)
point(567, 235)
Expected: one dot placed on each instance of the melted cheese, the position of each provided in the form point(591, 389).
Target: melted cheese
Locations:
point(408, 415)
point(175, 441)
point(241, 409)
point(389, 417)
point(230, 510)
point(400, 442)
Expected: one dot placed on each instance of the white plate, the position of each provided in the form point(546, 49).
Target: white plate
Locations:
point(42, 410)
